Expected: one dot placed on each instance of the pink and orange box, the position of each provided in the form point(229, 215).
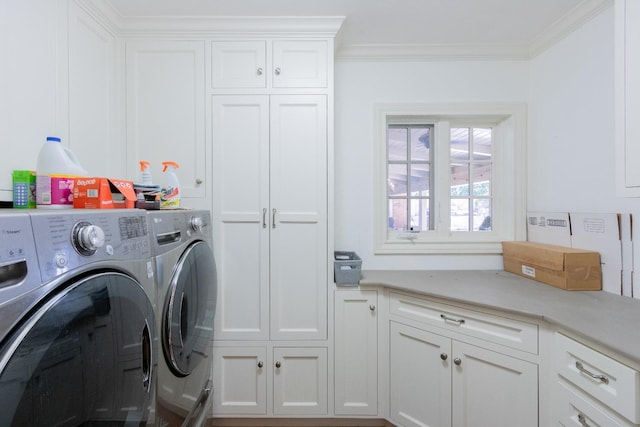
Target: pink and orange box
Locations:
point(103, 193)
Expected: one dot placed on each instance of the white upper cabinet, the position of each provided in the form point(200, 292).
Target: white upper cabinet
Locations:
point(165, 100)
point(275, 64)
point(627, 97)
point(239, 64)
point(299, 64)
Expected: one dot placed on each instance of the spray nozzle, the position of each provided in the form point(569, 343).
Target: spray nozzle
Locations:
point(144, 165)
point(167, 165)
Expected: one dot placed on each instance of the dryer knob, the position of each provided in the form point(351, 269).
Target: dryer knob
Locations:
point(196, 223)
point(90, 237)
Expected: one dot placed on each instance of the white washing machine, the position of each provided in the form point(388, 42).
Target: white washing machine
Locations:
point(186, 279)
point(77, 323)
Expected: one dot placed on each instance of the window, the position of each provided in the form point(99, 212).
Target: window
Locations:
point(451, 178)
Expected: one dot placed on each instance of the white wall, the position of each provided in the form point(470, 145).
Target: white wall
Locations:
point(571, 150)
point(359, 85)
point(30, 103)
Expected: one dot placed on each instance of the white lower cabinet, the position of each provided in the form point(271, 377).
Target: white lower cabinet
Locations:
point(437, 381)
point(240, 380)
point(298, 376)
point(356, 352)
point(300, 381)
point(591, 388)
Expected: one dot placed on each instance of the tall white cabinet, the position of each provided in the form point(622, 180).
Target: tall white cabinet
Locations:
point(270, 175)
point(271, 138)
point(627, 93)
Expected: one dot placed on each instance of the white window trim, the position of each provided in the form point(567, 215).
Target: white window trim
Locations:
point(509, 208)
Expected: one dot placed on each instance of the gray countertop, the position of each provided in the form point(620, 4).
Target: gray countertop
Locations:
point(604, 318)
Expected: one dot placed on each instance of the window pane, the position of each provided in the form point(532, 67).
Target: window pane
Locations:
point(482, 180)
point(459, 179)
point(482, 149)
point(420, 215)
point(398, 214)
point(397, 143)
point(420, 179)
point(420, 144)
point(459, 215)
point(482, 215)
point(459, 146)
point(397, 179)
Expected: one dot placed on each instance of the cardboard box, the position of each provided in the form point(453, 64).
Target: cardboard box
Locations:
point(103, 193)
point(559, 266)
point(553, 228)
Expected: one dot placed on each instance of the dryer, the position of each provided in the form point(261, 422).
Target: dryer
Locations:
point(77, 323)
point(187, 290)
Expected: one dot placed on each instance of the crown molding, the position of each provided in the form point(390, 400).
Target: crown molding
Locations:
point(432, 52)
point(585, 11)
point(561, 28)
point(203, 26)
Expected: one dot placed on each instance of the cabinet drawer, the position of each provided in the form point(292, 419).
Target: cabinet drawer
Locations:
point(609, 381)
point(574, 410)
point(500, 330)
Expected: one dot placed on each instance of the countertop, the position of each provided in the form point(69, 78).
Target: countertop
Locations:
point(601, 317)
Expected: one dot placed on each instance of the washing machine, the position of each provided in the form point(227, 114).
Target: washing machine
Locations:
point(78, 332)
point(186, 280)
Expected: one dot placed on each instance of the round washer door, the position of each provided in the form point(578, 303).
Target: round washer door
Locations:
point(84, 357)
point(187, 327)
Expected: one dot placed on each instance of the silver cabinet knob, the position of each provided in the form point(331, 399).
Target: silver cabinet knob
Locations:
point(259, 71)
point(198, 181)
point(260, 364)
point(457, 361)
point(278, 71)
point(372, 307)
point(444, 356)
point(278, 364)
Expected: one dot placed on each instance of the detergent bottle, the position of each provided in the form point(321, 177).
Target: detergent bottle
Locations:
point(56, 169)
point(170, 187)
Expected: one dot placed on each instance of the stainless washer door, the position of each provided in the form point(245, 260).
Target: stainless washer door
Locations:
point(83, 357)
point(187, 326)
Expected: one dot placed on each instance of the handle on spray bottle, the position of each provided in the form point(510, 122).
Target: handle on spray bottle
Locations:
point(166, 165)
point(144, 165)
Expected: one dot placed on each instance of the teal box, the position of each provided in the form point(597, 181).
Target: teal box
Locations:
point(24, 189)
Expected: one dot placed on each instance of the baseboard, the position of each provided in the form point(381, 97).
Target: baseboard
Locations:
point(298, 422)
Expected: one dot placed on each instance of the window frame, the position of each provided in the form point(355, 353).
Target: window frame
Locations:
point(508, 181)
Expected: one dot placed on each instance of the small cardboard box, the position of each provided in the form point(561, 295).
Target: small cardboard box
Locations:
point(103, 193)
point(565, 268)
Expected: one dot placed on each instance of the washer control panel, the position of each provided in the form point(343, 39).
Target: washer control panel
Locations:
point(71, 239)
point(18, 260)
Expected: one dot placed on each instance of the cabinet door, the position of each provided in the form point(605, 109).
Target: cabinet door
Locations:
point(627, 97)
point(356, 348)
point(166, 111)
point(419, 377)
point(242, 223)
point(298, 217)
point(492, 389)
point(238, 64)
point(299, 63)
point(93, 135)
point(240, 380)
point(300, 381)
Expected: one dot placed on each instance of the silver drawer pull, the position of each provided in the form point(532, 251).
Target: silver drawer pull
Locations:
point(451, 319)
point(602, 378)
point(583, 420)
